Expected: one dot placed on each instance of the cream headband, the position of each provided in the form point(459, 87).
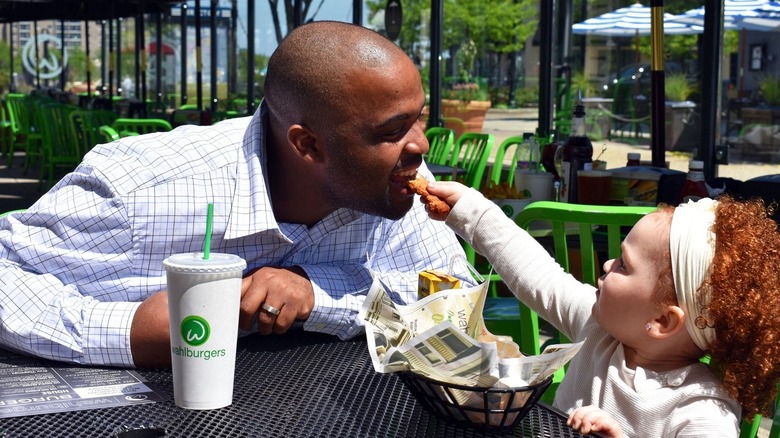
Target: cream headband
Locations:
point(692, 245)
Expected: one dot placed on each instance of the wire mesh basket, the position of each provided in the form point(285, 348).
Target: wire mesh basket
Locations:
point(483, 408)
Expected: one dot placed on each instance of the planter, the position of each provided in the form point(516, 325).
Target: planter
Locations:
point(472, 114)
point(681, 126)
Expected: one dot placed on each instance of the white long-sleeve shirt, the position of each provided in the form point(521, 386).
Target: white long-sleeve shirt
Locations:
point(686, 402)
point(75, 267)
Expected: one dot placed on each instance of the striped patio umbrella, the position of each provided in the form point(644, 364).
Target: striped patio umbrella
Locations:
point(635, 21)
point(765, 19)
point(733, 12)
point(632, 21)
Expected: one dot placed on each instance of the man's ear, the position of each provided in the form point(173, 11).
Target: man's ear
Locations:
point(304, 143)
point(668, 322)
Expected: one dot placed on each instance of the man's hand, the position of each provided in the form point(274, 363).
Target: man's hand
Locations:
point(287, 290)
point(589, 419)
point(150, 338)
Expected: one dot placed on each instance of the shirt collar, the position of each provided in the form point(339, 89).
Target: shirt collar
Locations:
point(251, 211)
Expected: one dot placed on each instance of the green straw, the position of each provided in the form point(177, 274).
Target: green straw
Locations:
point(207, 240)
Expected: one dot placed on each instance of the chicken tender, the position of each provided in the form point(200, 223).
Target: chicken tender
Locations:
point(435, 204)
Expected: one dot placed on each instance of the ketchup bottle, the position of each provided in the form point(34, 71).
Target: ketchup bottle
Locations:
point(694, 188)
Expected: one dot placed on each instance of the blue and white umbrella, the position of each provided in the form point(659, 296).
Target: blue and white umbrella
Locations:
point(632, 21)
point(766, 18)
point(734, 11)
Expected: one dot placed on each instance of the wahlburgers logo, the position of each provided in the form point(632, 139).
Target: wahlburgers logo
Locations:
point(195, 330)
point(508, 210)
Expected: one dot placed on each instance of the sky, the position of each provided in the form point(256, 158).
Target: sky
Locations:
point(265, 40)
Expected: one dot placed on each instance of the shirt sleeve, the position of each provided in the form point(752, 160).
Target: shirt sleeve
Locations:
point(529, 271)
point(60, 262)
point(397, 253)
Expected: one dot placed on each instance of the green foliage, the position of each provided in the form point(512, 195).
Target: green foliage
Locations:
point(678, 88)
point(581, 84)
point(769, 86)
point(474, 89)
point(497, 26)
point(525, 97)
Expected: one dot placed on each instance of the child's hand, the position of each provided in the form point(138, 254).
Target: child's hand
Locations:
point(448, 191)
point(589, 419)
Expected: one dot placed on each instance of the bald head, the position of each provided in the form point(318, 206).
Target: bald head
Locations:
point(311, 65)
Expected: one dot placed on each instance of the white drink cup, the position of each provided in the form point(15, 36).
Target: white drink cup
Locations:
point(203, 306)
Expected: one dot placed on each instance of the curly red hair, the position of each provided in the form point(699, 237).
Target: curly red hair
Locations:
point(745, 302)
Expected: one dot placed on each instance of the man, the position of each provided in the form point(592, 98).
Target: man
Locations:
point(310, 191)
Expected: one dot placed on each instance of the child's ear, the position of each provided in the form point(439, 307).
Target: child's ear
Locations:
point(667, 323)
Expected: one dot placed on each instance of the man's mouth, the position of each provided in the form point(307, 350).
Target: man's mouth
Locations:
point(399, 180)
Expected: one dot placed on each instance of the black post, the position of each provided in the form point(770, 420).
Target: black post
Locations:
point(250, 64)
point(198, 58)
point(233, 50)
point(137, 54)
point(434, 105)
point(183, 79)
point(711, 86)
point(357, 12)
point(158, 55)
point(142, 49)
point(111, 59)
point(563, 72)
point(657, 101)
point(297, 12)
point(118, 51)
point(12, 86)
point(213, 65)
point(545, 68)
point(86, 46)
point(37, 57)
point(63, 72)
point(103, 61)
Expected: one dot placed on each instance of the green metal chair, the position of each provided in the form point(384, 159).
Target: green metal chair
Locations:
point(61, 149)
point(500, 161)
point(26, 134)
point(566, 221)
point(441, 141)
point(127, 127)
point(471, 152)
point(87, 125)
point(6, 136)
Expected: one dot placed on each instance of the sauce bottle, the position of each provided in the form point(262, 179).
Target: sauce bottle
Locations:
point(577, 150)
point(694, 187)
point(633, 159)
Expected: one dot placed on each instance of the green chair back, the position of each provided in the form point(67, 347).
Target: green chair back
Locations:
point(25, 131)
point(126, 127)
point(500, 160)
point(471, 152)
point(563, 221)
point(87, 124)
point(441, 141)
point(61, 147)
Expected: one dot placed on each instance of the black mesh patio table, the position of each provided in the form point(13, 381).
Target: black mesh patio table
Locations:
point(293, 385)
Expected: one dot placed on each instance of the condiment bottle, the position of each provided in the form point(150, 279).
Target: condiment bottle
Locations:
point(633, 159)
point(577, 151)
point(694, 187)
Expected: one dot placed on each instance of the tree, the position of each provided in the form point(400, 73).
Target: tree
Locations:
point(289, 14)
point(498, 26)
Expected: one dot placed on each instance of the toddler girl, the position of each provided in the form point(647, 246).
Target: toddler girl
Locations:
point(700, 279)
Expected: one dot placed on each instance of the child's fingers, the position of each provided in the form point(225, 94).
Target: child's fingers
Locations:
point(584, 418)
point(450, 191)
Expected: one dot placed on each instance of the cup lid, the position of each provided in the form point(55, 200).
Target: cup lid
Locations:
point(193, 262)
